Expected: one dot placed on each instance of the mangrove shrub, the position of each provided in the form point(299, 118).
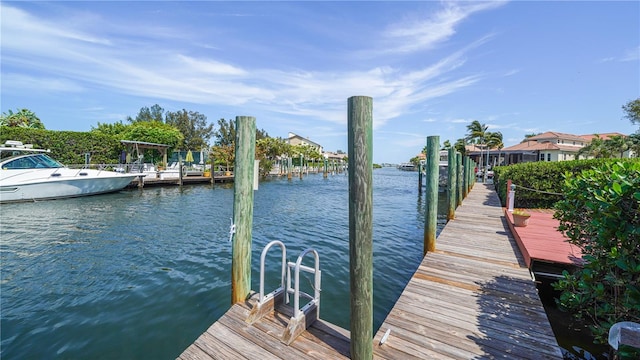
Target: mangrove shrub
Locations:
point(546, 179)
point(601, 215)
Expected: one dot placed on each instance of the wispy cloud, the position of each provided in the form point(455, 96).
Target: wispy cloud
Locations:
point(629, 55)
point(421, 34)
point(149, 69)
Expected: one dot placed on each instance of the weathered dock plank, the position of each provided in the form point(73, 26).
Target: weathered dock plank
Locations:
point(233, 338)
point(471, 298)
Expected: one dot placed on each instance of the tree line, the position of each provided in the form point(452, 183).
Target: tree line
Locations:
point(181, 130)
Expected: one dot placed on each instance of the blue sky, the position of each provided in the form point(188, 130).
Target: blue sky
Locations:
point(431, 67)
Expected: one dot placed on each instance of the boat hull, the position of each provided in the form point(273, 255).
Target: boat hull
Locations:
point(47, 184)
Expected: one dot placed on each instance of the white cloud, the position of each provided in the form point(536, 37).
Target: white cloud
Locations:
point(152, 67)
point(24, 83)
point(424, 34)
point(631, 55)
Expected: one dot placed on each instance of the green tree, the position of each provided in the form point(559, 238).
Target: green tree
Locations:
point(153, 132)
point(269, 149)
point(494, 141)
point(600, 214)
point(527, 136)
point(634, 140)
point(596, 149)
point(155, 113)
point(226, 133)
point(116, 129)
point(477, 134)
point(193, 126)
point(461, 146)
point(618, 144)
point(632, 111)
point(21, 118)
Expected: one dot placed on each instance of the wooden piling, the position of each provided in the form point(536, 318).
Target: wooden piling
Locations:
point(243, 208)
point(420, 167)
point(326, 169)
point(180, 169)
point(300, 167)
point(459, 178)
point(431, 213)
point(465, 176)
point(360, 130)
point(452, 186)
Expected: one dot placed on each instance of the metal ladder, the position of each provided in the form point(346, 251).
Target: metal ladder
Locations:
point(303, 317)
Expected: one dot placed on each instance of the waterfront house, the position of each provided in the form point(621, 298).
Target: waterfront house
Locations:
point(551, 146)
point(294, 140)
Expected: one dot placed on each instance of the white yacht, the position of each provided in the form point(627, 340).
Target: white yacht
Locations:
point(28, 174)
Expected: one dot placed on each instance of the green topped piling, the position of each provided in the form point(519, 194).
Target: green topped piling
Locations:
point(451, 183)
point(465, 176)
point(360, 130)
point(243, 208)
point(431, 213)
point(459, 179)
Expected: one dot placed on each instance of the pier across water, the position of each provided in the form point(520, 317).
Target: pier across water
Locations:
point(471, 298)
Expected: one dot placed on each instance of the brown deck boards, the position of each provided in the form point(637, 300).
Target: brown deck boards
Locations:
point(473, 298)
point(232, 338)
point(541, 240)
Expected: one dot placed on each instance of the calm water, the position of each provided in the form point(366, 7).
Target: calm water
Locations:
point(141, 274)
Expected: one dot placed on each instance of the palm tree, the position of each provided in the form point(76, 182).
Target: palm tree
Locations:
point(618, 143)
point(460, 146)
point(23, 118)
point(477, 134)
point(595, 148)
point(494, 140)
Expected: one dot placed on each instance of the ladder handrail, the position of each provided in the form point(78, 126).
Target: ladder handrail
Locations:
point(316, 287)
point(284, 265)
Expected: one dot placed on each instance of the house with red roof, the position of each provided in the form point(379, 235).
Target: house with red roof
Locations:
point(551, 146)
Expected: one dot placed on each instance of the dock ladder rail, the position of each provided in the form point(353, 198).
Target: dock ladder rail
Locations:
point(302, 317)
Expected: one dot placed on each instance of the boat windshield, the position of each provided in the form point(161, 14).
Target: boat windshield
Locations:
point(34, 161)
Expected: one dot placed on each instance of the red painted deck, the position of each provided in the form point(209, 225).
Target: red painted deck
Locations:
point(541, 241)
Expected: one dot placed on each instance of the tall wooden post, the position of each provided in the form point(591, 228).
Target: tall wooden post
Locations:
point(243, 207)
point(326, 170)
point(465, 176)
point(420, 167)
point(360, 134)
point(431, 213)
point(459, 178)
point(451, 184)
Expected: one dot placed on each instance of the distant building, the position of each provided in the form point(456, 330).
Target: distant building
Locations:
point(549, 146)
point(334, 155)
point(294, 140)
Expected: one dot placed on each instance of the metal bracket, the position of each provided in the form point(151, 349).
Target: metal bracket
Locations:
point(232, 230)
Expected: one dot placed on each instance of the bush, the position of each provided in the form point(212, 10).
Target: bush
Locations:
point(547, 177)
point(68, 147)
point(601, 215)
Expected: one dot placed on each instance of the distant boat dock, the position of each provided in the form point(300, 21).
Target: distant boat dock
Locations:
point(471, 298)
point(143, 181)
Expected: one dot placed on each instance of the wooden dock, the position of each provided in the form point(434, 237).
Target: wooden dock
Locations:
point(232, 338)
point(187, 180)
point(545, 250)
point(471, 298)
